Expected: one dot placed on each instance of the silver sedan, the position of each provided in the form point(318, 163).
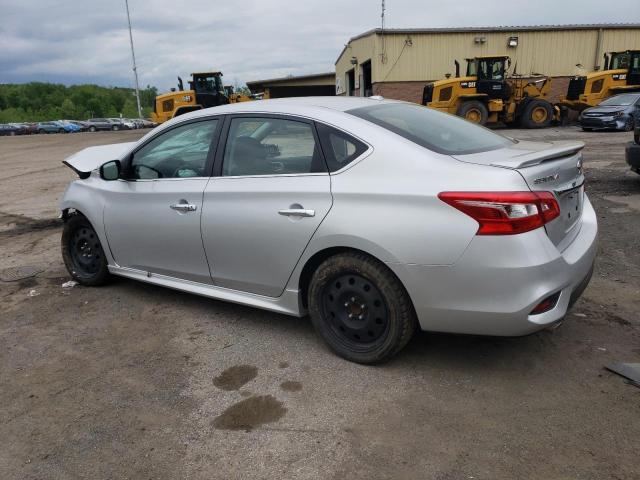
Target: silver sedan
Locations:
point(374, 217)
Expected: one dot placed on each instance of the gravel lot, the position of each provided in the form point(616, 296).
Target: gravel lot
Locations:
point(136, 381)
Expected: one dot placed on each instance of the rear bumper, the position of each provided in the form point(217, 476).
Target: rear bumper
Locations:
point(633, 155)
point(497, 282)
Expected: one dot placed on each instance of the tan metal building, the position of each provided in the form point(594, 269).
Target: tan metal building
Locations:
point(397, 63)
point(319, 84)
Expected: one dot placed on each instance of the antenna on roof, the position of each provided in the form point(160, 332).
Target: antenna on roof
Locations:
point(383, 54)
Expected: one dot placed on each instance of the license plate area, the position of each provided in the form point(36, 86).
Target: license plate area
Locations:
point(571, 204)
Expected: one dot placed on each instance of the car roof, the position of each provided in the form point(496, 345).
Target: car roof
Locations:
point(283, 105)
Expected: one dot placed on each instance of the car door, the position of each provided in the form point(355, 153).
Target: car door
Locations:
point(152, 215)
point(269, 194)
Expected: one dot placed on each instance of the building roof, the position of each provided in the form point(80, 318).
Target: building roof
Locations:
point(292, 78)
point(502, 28)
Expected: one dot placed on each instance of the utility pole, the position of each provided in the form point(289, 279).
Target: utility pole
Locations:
point(133, 57)
point(383, 55)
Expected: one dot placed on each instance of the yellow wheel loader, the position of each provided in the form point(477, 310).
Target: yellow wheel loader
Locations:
point(487, 95)
point(205, 90)
point(621, 74)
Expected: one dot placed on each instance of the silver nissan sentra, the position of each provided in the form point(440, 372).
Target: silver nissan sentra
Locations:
point(375, 217)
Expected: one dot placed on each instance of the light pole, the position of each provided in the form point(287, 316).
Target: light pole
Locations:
point(133, 57)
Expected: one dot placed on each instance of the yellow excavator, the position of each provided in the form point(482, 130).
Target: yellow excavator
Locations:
point(621, 74)
point(205, 90)
point(487, 95)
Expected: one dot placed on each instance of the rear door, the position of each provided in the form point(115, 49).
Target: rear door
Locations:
point(271, 193)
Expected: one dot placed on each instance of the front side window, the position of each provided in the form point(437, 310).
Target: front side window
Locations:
point(179, 153)
point(340, 149)
point(270, 146)
point(437, 131)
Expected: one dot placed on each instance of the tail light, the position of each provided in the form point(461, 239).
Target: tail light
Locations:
point(505, 213)
point(546, 304)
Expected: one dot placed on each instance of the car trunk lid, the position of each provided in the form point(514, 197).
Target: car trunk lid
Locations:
point(546, 166)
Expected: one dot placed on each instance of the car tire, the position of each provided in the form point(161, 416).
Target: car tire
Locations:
point(537, 114)
point(115, 128)
point(474, 111)
point(92, 128)
point(82, 252)
point(360, 308)
point(41, 132)
point(61, 130)
point(12, 134)
point(629, 125)
point(586, 129)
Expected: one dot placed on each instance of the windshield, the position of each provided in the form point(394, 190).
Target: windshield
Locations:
point(620, 100)
point(619, 61)
point(437, 131)
point(491, 69)
point(211, 84)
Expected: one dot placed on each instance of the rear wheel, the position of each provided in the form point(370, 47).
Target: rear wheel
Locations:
point(82, 252)
point(92, 128)
point(537, 114)
point(61, 130)
point(12, 134)
point(115, 128)
point(473, 111)
point(360, 308)
point(41, 131)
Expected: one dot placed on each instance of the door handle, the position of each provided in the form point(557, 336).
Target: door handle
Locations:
point(297, 212)
point(183, 207)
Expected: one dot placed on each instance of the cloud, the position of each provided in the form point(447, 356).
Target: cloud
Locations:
point(73, 42)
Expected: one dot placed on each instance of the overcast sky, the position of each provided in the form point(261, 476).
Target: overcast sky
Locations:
point(79, 41)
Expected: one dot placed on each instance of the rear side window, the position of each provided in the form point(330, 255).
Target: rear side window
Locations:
point(340, 149)
point(437, 131)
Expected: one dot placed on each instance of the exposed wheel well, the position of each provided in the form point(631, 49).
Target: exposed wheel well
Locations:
point(314, 262)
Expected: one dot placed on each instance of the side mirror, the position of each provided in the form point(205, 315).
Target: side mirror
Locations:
point(110, 171)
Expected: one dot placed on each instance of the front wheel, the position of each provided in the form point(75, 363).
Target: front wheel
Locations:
point(537, 114)
point(360, 308)
point(473, 111)
point(115, 128)
point(629, 124)
point(82, 252)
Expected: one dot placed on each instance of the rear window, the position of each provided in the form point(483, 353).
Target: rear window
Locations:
point(431, 129)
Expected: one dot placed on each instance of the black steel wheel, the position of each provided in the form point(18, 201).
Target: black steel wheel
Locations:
point(360, 308)
point(629, 124)
point(356, 310)
point(82, 252)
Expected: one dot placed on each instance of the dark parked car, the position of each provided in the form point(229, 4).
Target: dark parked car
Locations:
point(30, 128)
point(12, 130)
point(103, 124)
point(633, 151)
point(620, 112)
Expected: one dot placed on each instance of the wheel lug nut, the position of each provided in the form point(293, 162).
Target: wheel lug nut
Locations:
point(360, 317)
point(362, 306)
point(346, 304)
point(351, 315)
point(353, 299)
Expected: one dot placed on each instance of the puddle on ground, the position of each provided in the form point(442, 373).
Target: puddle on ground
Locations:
point(235, 377)
point(290, 386)
point(250, 413)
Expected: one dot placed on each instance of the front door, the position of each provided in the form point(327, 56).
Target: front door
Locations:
point(152, 218)
point(271, 193)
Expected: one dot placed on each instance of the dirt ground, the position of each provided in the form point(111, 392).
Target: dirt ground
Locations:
point(135, 381)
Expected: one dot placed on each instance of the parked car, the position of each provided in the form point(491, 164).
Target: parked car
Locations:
point(83, 126)
point(12, 130)
point(30, 128)
point(147, 123)
point(101, 124)
point(69, 127)
point(50, 127)
point(374, 216)
point(633, 151)
point(619, 112)
point(121, 123)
